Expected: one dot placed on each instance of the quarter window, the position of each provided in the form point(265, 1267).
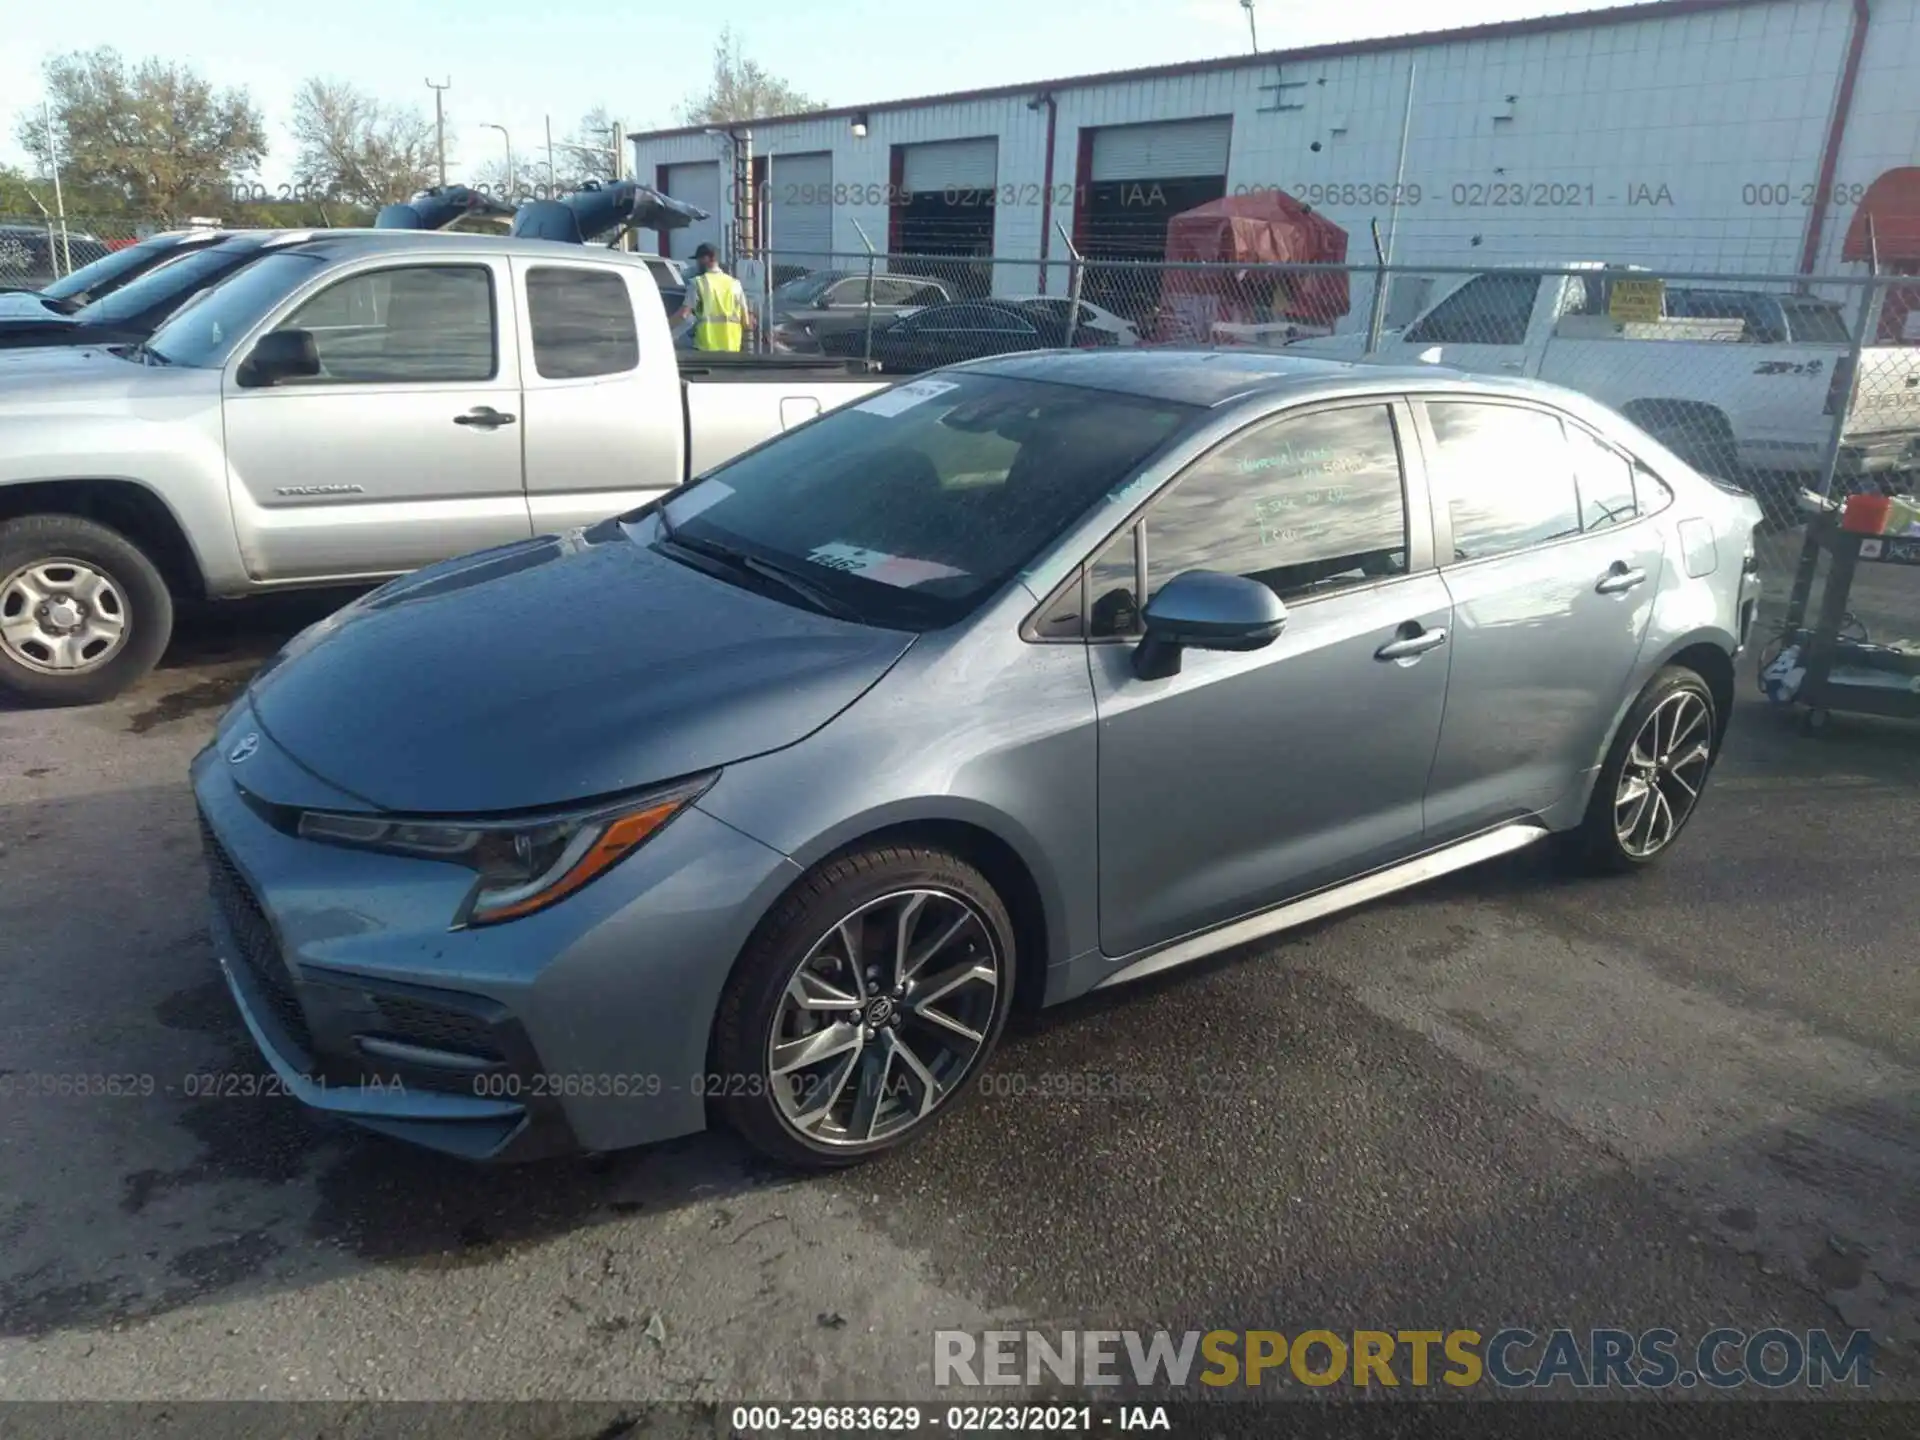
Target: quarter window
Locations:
point(582, 323)
point(1505, 475)
point(1113, 582)
point(1305, 505)
point(1605, 478)
point(413, 323)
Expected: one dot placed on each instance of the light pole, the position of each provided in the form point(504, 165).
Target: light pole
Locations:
point(509, 139)
point(440, 126)
point(1253, 32)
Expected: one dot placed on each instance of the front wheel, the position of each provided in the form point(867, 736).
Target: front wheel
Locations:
point(1652, 779)
point(864, 1006)
point(83, 613)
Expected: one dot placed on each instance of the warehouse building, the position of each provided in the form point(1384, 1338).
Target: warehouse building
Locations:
point(1724, 135)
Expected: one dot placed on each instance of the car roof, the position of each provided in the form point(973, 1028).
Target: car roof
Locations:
point(359, 241)
point(1213, 378)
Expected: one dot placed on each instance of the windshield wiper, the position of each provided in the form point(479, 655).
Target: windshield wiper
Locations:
point(739, 561)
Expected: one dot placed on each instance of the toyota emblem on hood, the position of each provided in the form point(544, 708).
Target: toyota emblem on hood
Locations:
point(245, 749)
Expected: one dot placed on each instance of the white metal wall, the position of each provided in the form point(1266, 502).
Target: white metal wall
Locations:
point(1161, 150)
point(949, 165)
point(697, 184)
point(1639, 141)
point(800, 207)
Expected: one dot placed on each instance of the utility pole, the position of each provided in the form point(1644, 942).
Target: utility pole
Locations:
point(59, 202)
point(553, 179)
point(440, 125)
point(1253, 32)
point(509, 141)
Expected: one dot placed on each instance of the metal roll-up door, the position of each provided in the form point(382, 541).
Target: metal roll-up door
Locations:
point(697, 184)
point(1162, 151)
point(800, 209)
point(951, 165)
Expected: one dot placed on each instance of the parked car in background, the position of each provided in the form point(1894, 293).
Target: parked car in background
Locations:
point(132, 311)
point(965, 330)
point(1735, 385)
point(33, 257)
point(347, 408)
point(1088, 317)
point(809, 312)
point(105, 272)
point(762, 804)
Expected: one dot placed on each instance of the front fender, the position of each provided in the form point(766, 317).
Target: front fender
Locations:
point(180, 460)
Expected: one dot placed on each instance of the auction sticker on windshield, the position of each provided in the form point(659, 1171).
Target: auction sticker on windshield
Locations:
point(897, 570)
point(905, 397)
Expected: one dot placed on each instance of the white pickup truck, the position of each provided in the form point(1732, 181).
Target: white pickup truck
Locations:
point(344, 410)
point(1731, 379)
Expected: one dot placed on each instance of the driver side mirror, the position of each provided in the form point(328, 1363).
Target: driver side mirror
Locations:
point(280, 355)
point(1206, 610)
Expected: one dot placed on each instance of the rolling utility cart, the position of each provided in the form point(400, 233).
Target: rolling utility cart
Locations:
point(1833, 664)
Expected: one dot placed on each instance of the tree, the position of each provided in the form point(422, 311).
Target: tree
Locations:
point(354, 148)
point(740, 89)
point(594, 133)
point(158, 135)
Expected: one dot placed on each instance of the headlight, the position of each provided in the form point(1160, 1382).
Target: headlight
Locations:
point(524, 864)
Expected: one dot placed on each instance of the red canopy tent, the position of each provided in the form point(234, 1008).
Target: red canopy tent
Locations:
point(1886, 227)
point(1268, 227)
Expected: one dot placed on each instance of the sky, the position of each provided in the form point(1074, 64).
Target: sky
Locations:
point(516, 64)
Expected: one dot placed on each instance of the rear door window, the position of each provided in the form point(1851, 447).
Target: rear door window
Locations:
point(1505, 475)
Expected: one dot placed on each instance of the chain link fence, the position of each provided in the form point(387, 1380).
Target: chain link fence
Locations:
point(1778, 383)
point(1781, 384)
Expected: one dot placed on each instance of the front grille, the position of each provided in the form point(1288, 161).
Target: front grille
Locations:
point(259, 951)
point(436, 1027)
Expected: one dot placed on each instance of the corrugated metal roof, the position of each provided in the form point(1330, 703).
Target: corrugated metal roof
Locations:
point(1536, 25)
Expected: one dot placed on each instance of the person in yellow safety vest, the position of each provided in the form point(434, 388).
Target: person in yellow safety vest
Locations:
point(718, 304)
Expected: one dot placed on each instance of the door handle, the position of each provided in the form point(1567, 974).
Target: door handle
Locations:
point(1619, 579)
point(1408, 646)
point(1513, 364)
point(484, 417)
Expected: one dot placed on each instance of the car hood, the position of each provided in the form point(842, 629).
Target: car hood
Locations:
point(62, 375)
point(553, 671)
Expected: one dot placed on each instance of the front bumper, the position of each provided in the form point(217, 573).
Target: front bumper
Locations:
point(582, 1027)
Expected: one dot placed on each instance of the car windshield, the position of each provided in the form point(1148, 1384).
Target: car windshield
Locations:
point(914, 505)
point(103, 273)
point(807, 288)
point(166, 285)
point(204, 334)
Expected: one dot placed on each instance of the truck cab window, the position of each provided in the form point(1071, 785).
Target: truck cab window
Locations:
point(411, 323)
point(582, 323)
point(1487, 310)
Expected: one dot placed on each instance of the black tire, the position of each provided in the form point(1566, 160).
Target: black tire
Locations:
point(1597, 845)
point(147, 606)
point(742, 1095)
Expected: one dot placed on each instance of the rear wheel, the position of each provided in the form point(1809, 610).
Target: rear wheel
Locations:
point(83, 613)
point(863, 1007)
point(1653, 776)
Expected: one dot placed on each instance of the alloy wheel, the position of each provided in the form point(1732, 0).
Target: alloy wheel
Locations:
point(1665, 770)
point(884, 1017)
point(61, 616)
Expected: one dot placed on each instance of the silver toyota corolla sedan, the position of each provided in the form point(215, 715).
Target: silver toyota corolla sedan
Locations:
point(766, 803)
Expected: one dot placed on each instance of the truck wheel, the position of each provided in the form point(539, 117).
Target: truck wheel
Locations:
point(83, 613)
